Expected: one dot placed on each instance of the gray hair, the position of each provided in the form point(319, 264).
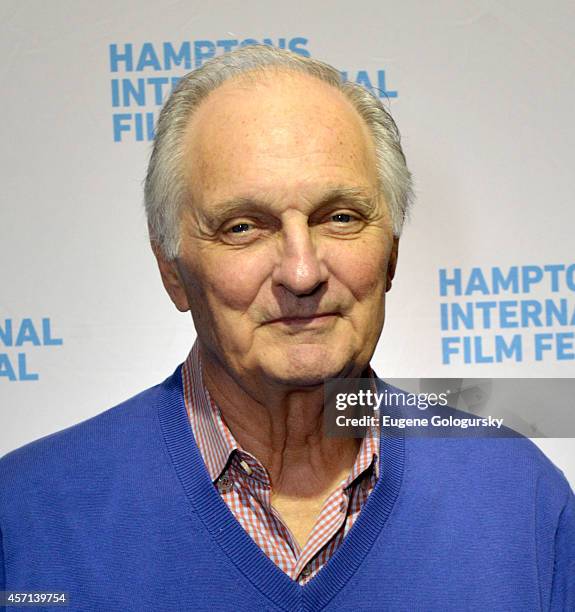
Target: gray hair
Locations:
point(165, 189)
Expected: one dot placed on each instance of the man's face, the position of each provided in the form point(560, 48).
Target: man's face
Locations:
point(286, 246)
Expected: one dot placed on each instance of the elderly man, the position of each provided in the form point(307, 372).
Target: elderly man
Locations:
point(275, 197)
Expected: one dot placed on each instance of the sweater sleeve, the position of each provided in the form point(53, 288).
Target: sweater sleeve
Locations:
point(563, 588)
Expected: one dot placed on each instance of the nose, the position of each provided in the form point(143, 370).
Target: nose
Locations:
point(300, 268)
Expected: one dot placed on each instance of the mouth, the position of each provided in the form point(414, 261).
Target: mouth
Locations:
point(308, 321)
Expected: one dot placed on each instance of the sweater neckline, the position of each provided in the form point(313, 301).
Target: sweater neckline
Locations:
point(226, 531)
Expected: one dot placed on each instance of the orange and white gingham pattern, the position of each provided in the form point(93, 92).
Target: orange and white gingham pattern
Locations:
point(244, 485)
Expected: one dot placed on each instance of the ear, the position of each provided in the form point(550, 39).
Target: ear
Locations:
point(392, 263)
point(171, 279)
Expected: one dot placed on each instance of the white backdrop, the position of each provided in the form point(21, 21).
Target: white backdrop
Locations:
point(483, 92)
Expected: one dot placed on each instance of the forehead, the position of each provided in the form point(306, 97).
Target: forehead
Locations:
point(282, 132)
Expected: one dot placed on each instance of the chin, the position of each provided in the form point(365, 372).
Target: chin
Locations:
point(305, 366)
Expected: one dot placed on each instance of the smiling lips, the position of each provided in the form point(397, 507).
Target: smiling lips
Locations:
point(317, 319)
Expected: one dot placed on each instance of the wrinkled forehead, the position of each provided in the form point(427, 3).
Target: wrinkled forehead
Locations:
point(265, 127)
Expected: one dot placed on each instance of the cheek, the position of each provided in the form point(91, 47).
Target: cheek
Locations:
point(234, 279)
point(361, 268)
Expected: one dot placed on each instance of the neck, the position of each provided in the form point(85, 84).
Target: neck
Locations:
point(284, 431)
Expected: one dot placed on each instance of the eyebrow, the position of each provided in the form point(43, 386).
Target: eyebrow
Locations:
point(355, 196)
point(351, 195)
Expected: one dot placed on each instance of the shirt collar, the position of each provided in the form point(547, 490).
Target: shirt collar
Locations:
point(215, 441)
point(367, 457)
point(368, 454)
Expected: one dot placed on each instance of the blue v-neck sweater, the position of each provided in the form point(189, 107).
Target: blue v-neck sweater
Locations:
point(120, 513)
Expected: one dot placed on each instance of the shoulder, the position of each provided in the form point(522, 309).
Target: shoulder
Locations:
point(505, 473)
point(495, 465)
point(104, 439)
point(466, 447)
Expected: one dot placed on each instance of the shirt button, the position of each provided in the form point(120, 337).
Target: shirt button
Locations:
point(246, 468)
point(306, 571)
point(224, 484)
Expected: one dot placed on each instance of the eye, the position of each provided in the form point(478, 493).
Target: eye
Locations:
point(342, 222)
point(240, 228)
point(342, 218)
point(241, 232)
